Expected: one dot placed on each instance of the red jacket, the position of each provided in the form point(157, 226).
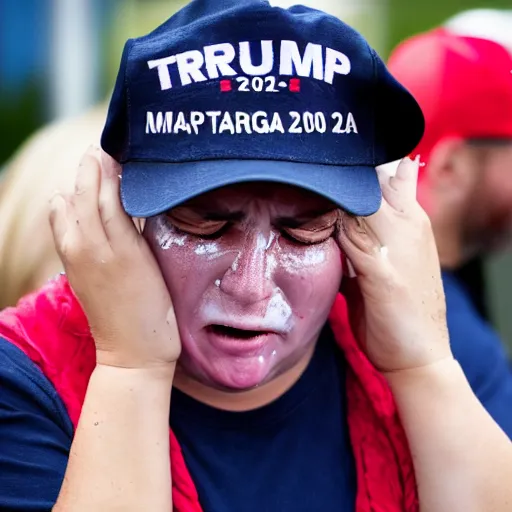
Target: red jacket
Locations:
point(51, 328)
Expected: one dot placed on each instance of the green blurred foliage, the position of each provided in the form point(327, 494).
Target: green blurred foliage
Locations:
point(19, 117)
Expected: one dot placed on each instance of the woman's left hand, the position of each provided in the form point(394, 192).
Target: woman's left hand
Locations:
point(396, 302)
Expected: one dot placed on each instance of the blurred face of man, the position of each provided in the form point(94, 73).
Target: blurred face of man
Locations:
point(488, 212)
point(253, 271)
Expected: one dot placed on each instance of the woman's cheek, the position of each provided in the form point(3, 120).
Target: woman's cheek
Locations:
point(189, 265)
point(311, 281)
point(173, 251)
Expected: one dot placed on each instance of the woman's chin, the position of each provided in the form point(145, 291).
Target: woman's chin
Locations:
point(239, 375)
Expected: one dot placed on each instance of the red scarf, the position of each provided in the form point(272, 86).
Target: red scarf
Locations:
point(50, 327)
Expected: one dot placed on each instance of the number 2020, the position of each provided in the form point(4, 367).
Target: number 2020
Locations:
point(257, 84)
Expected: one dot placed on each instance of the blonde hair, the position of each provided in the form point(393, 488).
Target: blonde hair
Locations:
point(45, 163)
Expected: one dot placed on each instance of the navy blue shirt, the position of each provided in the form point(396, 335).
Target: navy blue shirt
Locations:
point(293, 454)
point(480, 352)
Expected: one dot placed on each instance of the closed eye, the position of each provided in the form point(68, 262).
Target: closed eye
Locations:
point(216, 234)
point(307, 237)
point(197, 226)
point(313, 231)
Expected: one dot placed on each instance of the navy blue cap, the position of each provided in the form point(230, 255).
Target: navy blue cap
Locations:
point(233, 91)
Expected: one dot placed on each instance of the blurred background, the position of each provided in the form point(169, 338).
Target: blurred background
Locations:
point(59, 58)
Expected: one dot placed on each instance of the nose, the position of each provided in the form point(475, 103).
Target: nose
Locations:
point(249, 279)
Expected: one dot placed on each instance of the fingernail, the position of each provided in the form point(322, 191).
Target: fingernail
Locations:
point(55, 200)
point(56, 193)
point(88, 152)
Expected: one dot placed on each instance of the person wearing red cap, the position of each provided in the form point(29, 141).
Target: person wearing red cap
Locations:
point(464, 87)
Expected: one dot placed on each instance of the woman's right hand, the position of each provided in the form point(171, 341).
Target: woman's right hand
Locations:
point(112, 271)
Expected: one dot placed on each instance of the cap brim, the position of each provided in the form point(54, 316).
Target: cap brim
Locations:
point(150, 188)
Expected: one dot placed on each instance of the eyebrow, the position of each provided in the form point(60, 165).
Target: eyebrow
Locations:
point(299, 220)
point(222, 215)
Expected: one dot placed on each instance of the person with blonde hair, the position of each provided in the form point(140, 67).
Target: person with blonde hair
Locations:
point(46, 163)
point(43, 165)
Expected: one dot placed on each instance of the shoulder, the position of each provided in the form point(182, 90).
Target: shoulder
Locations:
point(25, 387)
point(35, 434)
point(48, 325)
point(51, 330)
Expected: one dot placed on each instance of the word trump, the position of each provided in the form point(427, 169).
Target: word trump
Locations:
point(217, 122)
point(217, 61)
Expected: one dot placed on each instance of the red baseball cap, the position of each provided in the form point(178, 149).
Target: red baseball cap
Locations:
point(463, 85)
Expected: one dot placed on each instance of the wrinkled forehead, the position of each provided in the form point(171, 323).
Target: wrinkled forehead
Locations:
point(270, 196)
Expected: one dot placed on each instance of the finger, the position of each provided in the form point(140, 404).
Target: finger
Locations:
point(400, 190)
point(59, 222)
point(113, 175)
point(350, 270)
point(382, 224)
point(386, 171)
point(86, 199)
point(358, 233)
point(116, 222)
point(358, 242)
point(406, 177)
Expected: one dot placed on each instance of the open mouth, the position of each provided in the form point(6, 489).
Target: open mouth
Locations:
point(232, 332)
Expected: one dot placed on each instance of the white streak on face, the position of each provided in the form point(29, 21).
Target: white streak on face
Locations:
point(209, 249)
point(279, 313)
point(278, 316)
point(261, 243)
point(234, 266)
point(167, 236)
point(271, 238)
point(311, 257)
point(270, 266)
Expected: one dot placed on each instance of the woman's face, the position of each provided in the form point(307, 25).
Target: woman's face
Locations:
point(253, 271)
